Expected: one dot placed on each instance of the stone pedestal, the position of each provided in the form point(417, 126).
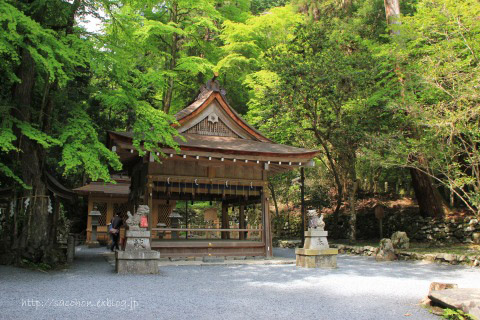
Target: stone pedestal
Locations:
point(137, 240)
point(316, 252)
point(138, 258)
point(316, 239)
point(312, 258)
point(137, 262)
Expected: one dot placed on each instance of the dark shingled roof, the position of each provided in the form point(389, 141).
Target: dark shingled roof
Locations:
point(122, 189)
point(233, 145)
point(202, 97)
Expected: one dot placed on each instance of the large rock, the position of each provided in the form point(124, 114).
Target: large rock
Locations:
point(386, 251)
point(465, 299)
point(476, 237)
point(400, 240)
point(436, 286)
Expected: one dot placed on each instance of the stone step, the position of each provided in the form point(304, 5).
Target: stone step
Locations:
point(213, 259)
point(465, 299)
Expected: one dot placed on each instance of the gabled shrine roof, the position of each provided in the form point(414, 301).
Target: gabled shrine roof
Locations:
point(212, 128)
point(208, 93)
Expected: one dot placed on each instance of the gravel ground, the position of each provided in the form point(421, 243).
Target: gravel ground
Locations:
point(359, 289)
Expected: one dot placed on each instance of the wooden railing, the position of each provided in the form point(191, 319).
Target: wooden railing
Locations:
point(249, 234)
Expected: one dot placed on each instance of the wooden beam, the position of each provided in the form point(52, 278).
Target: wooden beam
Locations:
point(229, 199)
point(190, 179)
point(207, 229)
point(242, 222)
point(225, 235)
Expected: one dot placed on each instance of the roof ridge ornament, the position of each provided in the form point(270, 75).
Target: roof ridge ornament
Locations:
point(212, 85)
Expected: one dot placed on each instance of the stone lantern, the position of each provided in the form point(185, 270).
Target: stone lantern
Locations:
point(175, 222)
point(161, 234)
point(94, 216)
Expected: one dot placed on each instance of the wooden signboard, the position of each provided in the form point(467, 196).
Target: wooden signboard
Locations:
point(210, 214)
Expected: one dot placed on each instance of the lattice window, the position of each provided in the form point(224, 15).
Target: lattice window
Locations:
point(209, 128)
point(121, 208)
point(163, 213)
point(102, 207)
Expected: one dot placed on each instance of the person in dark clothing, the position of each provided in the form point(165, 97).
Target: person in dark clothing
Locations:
point(116, 223)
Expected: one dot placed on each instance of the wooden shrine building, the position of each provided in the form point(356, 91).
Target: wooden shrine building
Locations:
point(222, 159)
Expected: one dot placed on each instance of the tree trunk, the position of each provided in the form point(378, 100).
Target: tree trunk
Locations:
point(274, 198)
point(278, 228)
point(353, 214)
point(430, 202)
point(167, 100)
point(35, 231)
point(392, 11)
point(335, 174)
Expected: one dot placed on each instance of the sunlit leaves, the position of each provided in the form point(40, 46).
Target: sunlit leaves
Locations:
point(152, 130)
point(82, 149)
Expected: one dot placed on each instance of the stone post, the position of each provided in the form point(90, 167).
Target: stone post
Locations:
point(70, 248)
point(137, 258)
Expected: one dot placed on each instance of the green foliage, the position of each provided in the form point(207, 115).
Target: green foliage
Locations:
point(82, 149)
point(452, 314)
point(261, 6)
point(152, 129)
point(315, 91)
point(234, 10)
point(436, 109)
point(43, 267)
point(244, 45)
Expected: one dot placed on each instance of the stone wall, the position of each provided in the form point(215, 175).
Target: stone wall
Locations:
point(449, 230)
point(449, 258)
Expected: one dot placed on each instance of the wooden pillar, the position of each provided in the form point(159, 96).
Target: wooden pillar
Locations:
point(302, 195)
point(241, 235)
point(108, 218)
point(267, 230)
point(89, 219)
point(150, 203)
point(109, 215)
point(225, 234)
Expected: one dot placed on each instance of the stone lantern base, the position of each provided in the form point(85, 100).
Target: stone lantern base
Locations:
point(316, 252)
point(316, 258)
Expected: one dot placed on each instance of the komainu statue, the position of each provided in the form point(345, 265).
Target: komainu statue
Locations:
point(315, 222)
point(133, 221)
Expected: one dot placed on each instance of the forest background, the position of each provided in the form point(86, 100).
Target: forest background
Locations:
point(388, 90)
